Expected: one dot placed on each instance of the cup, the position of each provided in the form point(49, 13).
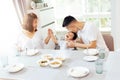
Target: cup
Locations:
point(99, 66)
point(62, 45)
point(102, 53)
point(17, 51)
point(4, 60)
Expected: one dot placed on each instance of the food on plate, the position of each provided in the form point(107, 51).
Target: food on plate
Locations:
point(43, 62)
point(55, 63)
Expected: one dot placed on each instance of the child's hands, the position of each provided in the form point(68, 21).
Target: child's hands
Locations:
point(50, 32)
point(48, 36)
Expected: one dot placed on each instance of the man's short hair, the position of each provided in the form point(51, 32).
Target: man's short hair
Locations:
point(67, 20)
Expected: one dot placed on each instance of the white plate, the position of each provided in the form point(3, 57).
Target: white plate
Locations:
point(90, 58)
point(78, 71)
point(15, 68)
point(55, 63)
point(43, 62)
point(32, 52)
point(91, 52)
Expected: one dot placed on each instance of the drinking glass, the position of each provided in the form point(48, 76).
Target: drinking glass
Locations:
point(102, 53)
point(4, 60)
point(99, 66)
point(62, 45)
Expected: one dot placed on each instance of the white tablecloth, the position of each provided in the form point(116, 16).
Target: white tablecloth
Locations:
point(113, 67)
point(32, 71)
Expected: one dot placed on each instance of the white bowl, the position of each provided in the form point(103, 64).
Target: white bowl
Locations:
point(43, 62)
point(55, 63)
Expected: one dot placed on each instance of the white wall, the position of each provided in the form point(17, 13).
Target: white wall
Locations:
point(116, 22)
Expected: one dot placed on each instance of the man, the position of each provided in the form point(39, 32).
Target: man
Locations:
point(89, 35)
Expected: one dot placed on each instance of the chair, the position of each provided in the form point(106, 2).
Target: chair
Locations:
point(109, 41)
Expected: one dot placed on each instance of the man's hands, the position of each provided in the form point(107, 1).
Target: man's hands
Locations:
point(70, 44)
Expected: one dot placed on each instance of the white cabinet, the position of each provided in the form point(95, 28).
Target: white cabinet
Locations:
point(45, 15)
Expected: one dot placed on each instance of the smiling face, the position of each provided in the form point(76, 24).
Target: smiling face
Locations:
point(69, 36)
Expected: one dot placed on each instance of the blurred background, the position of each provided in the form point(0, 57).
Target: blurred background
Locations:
point(103, 13)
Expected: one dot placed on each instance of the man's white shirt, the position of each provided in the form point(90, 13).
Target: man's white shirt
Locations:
point(91, 33)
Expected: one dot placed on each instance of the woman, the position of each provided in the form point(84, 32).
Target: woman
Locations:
point(30, 38)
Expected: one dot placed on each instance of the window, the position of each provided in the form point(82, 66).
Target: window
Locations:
point(97, 11)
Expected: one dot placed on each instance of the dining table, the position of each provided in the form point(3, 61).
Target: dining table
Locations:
point(113, 66)
point(33, 71)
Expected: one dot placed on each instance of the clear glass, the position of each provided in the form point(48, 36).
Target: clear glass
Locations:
point(99, 66)
point(4, 60)
point(102, 53)
point(16, 50)
point(62, 44)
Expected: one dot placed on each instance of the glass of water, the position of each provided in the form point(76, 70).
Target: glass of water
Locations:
point(102, 53)
point(4, 60)
point(99, 66)
point(63, 45)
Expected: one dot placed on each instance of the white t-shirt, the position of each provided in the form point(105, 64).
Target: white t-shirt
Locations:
point(25, 42)
point(91, 33)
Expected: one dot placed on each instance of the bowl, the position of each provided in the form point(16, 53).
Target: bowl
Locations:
point(55, 63)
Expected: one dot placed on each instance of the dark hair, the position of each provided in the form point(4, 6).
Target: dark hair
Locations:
point(67, 20)
point(75, 35)
point(28, 21)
